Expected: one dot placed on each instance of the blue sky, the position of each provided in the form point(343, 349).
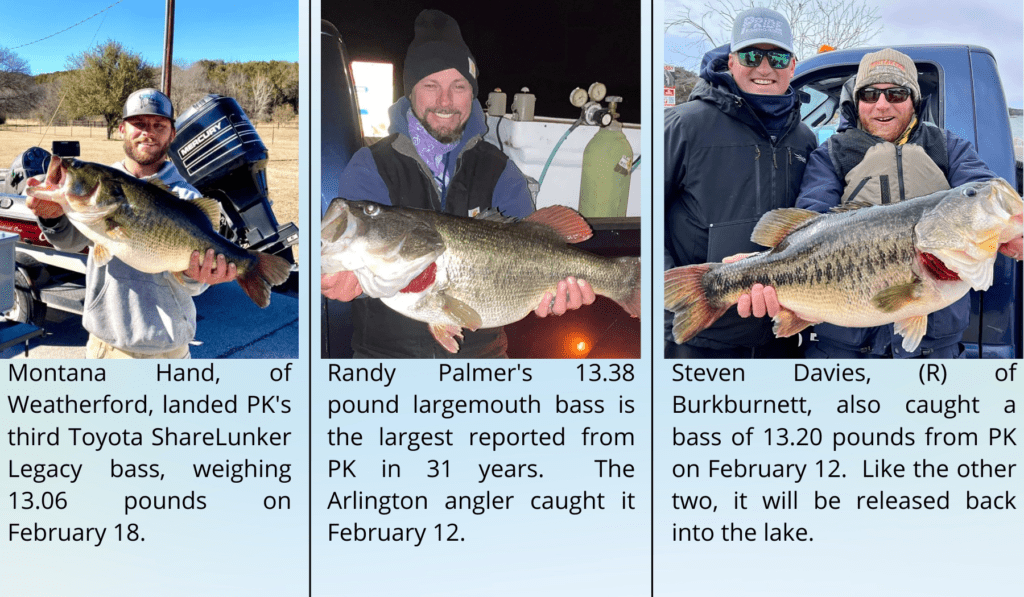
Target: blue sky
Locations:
point(231, 30)
point(995, 24)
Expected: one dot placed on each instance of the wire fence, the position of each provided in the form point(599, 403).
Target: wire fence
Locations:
point(85, 127)
point(98, 128)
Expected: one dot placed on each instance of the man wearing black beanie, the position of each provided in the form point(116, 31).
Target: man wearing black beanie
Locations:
point(435, 158)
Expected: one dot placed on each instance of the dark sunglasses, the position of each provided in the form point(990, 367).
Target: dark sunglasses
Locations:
point(893, 95)
point(751, 57)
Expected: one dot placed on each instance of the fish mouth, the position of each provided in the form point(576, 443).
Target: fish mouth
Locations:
point(338, 229)
point(52, 183)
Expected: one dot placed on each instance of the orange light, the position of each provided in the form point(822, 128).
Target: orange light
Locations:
point(575, 344)
point(825, 48)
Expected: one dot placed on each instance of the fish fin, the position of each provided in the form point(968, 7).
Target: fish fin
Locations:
point(445, 335)
point(565, 221)
point(897, 296)
point(685, 296)
point(115, 230)
point(631, 303)
point(788, 323)
point(912, 329)
point(156, 182)
point(779, 223)
point(852, 206)
point(180, 277)
point(268, 270)
point(494, 215)
point(461, 312)
point(101, 255)
point(211, 208)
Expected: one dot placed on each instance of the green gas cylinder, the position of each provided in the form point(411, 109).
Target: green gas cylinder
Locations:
point(604, 184)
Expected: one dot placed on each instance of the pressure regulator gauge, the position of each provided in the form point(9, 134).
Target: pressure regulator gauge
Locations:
point(578, 97)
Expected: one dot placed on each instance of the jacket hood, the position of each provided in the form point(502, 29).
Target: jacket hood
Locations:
point(714, 73)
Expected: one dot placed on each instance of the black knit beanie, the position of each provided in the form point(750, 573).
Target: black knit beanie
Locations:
point(437, 46)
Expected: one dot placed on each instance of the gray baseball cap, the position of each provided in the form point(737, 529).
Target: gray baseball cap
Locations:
point(148, 101)
point(761, 25)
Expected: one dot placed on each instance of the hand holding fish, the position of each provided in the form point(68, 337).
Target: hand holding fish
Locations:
point(211, 270)
point(571, 294)
point(761, 301)
point(342, 286)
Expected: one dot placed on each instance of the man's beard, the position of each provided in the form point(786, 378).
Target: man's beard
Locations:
point(447, 137)
point(141, 158)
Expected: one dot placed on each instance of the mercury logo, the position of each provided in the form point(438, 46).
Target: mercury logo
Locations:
point(201, 137)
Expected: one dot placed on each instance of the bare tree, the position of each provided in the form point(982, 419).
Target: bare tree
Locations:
point(236, 85)
point(190, 85)
point(49, 105)
point(18, 92)
point(836, 23)
point(262, 93)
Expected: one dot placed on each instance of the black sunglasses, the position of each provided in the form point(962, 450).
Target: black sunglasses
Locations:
point(893, 95)
point(751, 57)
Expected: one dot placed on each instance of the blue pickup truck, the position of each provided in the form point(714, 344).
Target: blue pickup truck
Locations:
point(966, 97)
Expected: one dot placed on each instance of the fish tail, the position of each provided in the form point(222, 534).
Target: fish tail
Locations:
point(685, 296)
point(269, 270)
point(631, 301)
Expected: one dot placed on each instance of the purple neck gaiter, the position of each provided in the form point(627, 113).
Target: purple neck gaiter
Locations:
point(431, 150)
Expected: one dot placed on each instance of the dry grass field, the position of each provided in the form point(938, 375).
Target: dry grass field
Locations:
point(282, 166)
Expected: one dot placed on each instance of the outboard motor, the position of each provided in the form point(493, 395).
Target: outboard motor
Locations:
point(218, 151)
point(34, 161)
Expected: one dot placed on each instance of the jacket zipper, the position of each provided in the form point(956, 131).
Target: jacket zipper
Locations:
point(757, 178)
point(775, 166)
point(899, 171)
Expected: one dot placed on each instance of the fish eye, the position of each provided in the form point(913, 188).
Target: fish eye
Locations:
point(371, 209)
point(970, 192)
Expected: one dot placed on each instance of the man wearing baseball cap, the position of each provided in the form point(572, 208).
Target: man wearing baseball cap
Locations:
point(884, 153)
point(734, 151)
point(435, 158)
point(128, 313)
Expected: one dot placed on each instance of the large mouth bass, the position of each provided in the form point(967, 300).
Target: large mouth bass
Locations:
point(453, 272)
point(149, 228)
point(860, 266)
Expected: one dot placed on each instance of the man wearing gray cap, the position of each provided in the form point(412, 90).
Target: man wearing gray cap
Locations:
point(883, 153)
point(131, 314)
point(735, 151)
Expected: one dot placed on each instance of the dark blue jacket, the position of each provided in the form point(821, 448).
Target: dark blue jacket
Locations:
point(822, 190)
point(723, 171)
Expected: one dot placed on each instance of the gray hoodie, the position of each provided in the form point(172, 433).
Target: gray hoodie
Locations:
point(129, 309)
